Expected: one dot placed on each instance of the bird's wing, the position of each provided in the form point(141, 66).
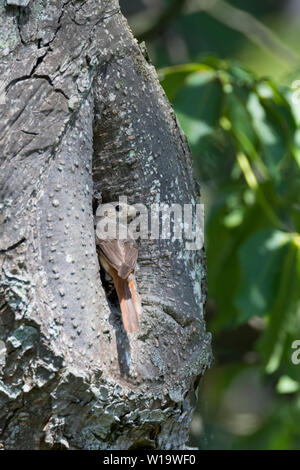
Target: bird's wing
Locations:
point(120, 254)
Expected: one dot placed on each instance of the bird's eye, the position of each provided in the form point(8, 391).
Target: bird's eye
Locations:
point(118, 208)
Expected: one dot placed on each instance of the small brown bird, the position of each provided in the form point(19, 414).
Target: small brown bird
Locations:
point(118, 257)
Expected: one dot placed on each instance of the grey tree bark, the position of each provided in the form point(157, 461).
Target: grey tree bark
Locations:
point(82, 112)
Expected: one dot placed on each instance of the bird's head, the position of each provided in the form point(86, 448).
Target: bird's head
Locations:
point(116, 210)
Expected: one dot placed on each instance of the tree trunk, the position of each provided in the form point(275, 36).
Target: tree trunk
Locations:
point(82, 113)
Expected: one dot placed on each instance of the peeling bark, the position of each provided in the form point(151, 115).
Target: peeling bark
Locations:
point(82, 112)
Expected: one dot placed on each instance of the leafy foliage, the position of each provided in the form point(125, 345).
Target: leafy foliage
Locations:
point(244, 134)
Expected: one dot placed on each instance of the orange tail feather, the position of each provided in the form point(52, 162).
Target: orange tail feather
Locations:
point(128, 303)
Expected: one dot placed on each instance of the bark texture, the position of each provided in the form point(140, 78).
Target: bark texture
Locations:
point(82, 112)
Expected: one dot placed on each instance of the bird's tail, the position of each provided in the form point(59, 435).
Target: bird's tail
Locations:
point(128, 302)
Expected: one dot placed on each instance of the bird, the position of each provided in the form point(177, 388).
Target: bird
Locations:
point(118, 256)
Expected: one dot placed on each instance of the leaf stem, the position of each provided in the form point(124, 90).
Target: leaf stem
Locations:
point(253, 184)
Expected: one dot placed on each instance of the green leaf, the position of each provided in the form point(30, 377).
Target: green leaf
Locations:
point(287, 385)
point(261, 258)
point(283, 309)
point(240, 75)
point(241, 125)
point(173, 78)
point(198, 107)
point(224, 270)
point(270, 133)
point(279, 110)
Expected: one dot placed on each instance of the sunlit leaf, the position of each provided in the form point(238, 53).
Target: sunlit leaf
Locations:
point(287, 385)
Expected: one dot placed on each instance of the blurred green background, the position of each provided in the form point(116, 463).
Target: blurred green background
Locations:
point(231, 69)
